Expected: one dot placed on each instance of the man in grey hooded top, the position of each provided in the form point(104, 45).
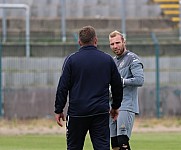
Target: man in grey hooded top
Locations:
point(131, 71)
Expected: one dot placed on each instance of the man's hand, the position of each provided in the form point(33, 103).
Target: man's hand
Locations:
point(58, 118)
point(114, 113)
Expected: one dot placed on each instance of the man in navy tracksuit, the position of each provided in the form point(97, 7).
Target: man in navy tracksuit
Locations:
point(86, 76)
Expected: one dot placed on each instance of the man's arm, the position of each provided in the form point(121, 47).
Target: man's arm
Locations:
point(63, 88)
point(116, 88)
point(137, 73)
point(58, 118)
point(114, 113)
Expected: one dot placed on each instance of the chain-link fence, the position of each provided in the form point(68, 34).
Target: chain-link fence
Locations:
point(28, 84)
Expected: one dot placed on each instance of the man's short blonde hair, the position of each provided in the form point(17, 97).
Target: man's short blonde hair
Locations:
point(114, 33)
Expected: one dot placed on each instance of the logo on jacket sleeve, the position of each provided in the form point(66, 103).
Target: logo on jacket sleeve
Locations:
point(121, 64)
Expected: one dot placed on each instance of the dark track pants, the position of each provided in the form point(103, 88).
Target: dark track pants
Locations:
point(98, 127)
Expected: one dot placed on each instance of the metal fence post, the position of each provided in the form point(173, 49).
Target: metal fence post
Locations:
point(4, 24)
point(123, 17)
point(26, 7)
point(63, 26)
point(1, 99)
point(157, 53)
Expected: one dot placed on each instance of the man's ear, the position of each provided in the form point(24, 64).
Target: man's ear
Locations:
point(80, 43)
point(96, 40)
point(124, 42)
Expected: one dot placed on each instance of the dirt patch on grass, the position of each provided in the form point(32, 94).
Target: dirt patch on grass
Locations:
point(33, 126)
point(49, 126)
point(157, 125)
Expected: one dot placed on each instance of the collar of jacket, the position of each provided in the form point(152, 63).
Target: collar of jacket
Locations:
point(88, 47)
point(118, 57)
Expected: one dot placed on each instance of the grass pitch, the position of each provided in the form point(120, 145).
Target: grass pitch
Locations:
point(148, 134)
point(156, 141)
point(139, 141)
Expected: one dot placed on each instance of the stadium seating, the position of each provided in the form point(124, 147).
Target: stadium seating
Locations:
point(170, 9)
point(169, 1)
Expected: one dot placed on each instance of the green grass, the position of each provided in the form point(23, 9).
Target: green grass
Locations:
point(139, 141)
point(36, 142)
point(156, 141)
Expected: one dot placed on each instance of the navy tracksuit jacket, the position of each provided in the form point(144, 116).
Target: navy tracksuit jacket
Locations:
point(86, 76)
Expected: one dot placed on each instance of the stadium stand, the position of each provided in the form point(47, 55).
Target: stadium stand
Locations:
point(142, 18)
point(170, 8)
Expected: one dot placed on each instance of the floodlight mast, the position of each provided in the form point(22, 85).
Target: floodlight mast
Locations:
point(26, 7)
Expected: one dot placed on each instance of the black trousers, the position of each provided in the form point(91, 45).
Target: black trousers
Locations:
point(98, 127)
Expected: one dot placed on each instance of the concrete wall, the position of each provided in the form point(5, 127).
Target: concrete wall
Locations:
point(85, 8)
point(29, 86)
point(170, 101)
point(61, 50)
point(44, 72)
point(53, 26)
point(39, 102)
